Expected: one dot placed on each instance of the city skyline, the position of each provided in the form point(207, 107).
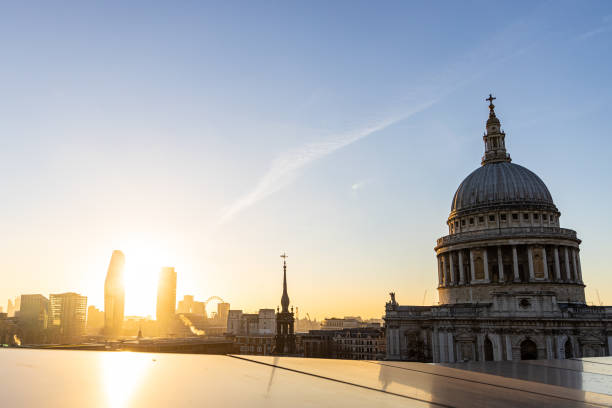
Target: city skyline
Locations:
point(337, 144)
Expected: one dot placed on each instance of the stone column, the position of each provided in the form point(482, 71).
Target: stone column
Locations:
point(576, 275)
point(508, 348)
point(498, 349)
point(439, 271)
point(545, 261)
point(461, 272)
point(473, 274)
point(451, 348)
point(451, 268)
point(550, 352)
point(579, 266)
point(515, 264)
point(480, 347)
point(444, 273)
point(530, 262)
point(557, 267)
point(485, 261)
point(567, 266)
point(500, 264)
point(560, 349)
point(443, 350)
point(435, 347)
point(398, 343)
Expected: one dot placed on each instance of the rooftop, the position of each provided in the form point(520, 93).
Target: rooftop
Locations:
point(123, 379)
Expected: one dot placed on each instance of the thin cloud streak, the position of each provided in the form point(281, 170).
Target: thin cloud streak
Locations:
point(286, 166)
point(359, 185)
point(597, 31)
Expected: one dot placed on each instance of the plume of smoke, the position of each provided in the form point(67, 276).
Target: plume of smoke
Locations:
point(193, 329)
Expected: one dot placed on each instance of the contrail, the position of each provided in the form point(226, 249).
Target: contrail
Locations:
point(285, 167)
point(496, 50)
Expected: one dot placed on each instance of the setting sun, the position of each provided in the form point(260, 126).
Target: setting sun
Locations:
point(143, 262)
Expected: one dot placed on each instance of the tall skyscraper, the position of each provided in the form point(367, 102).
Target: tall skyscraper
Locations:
point(285, 337)
point(68, 314)
point(114, 295)
point(166, 300)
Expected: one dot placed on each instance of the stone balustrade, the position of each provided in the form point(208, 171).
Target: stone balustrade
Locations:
point(510, 232)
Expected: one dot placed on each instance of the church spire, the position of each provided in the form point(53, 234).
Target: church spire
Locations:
point(285, 297)
point(494, 138)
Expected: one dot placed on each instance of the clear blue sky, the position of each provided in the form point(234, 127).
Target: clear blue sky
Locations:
point(214, 136)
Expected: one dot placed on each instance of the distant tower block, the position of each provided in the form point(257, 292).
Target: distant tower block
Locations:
point(166, 300)
point(114, 296)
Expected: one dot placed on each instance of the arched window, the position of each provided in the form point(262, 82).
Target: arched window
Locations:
point(529, 350)
point(569, 350)
point(488, 349)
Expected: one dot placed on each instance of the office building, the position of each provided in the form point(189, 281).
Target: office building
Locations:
point(33, 318)
point(68, 316)
point(95, 320)
point(222, 312)
point(166, 301)
point(114, 295)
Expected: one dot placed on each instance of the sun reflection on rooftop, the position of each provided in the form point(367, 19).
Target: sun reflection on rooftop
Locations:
point(122, 374)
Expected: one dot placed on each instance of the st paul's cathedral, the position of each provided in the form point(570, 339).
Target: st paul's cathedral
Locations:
point(510, 282)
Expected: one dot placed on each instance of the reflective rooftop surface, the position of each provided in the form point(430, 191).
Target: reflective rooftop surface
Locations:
point(46, 378)
point(594, 375)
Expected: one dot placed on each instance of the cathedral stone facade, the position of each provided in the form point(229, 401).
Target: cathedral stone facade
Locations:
point(510, 281)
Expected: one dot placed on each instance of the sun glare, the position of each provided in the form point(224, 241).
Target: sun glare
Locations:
point(122, 373)
point(142, 266)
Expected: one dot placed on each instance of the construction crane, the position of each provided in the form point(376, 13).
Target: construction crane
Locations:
point(598, 298)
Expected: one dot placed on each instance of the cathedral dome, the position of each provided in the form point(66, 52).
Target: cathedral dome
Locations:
point(504, 236)
point(501, 184)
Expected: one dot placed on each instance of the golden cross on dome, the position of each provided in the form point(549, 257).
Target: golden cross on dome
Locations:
point(491, 98)
point(284, 256)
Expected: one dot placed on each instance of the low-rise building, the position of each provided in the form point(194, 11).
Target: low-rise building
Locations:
point(95, 320)
point(10, 333)
point(252, 333)
point(318, 343)
point(361, 343)
point(263, 322)
point(349, 322)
